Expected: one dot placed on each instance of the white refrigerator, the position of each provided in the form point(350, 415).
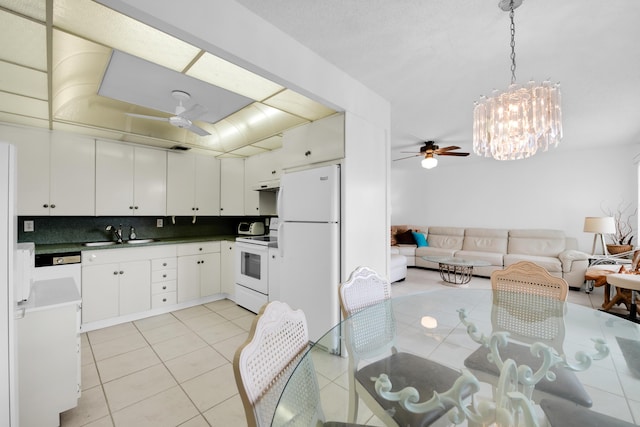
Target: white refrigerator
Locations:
point(309, 247)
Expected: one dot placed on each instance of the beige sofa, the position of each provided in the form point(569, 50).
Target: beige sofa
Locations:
point(550, 249)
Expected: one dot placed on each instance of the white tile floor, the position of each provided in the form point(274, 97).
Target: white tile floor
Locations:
point(176, 369)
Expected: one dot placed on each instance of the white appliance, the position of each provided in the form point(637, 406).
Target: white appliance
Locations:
point(8, 302)
point(251, 228)
point(309, 247)
point(252, 269)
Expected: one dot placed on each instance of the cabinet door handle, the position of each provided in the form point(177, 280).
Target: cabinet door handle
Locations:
point(115, 273)
point(164, 275)
point(135, 207)
point(199, 249)
point(164, 264)
point(164, 287)
point(130, 207)
point(164, 300)
point(53, 206)
point(45, 205)
point(121, 272)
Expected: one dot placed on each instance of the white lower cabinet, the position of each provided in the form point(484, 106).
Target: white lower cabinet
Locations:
point(115, 289)
point(117, 282)
point(198, 270)
point(164, 276)
point(227, 268)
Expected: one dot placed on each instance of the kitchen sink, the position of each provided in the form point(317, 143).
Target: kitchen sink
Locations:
point(139, 241)
point(90, 244)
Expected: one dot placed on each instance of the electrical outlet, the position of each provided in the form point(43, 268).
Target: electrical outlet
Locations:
point(159, 223)
point(28, 226)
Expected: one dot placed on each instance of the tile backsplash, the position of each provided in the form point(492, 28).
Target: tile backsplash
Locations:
point(72, 229)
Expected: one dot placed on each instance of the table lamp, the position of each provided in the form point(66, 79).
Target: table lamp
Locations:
point(600, 225)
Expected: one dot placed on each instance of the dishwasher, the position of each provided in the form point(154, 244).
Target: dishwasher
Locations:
point(58, 266)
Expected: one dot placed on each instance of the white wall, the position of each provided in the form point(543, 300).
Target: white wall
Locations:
point(555, 190)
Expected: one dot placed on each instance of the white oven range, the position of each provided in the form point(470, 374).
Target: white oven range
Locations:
point(252, 270)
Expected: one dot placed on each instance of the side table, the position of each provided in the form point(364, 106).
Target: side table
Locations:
point(631, 282)
point(597, 275)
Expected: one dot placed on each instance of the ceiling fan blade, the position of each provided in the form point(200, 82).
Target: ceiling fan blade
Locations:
point(194, 112)
point(143, 116)
point(408, 157)
point(198, 130)
point(453, 154)
point(449, 148)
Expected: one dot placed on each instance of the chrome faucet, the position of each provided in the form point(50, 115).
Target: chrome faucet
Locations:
point(117, 233)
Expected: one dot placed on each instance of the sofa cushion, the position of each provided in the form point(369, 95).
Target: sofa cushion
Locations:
point(433, 251)
point(421, 239)
point(486, 240)
point(545, 243)
point(446, 237)
point(551, 264)
point(405, 238)
point(494, 258)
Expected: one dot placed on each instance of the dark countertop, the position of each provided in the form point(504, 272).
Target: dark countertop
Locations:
point(75, 247)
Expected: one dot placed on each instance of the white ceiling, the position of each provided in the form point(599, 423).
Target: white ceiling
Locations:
point(433, 58)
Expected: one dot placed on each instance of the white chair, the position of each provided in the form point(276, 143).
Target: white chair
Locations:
point(529, 304)
point(275, 356)
point(365, 300)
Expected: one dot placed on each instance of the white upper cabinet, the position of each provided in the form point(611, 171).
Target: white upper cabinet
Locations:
point(193, 185)
point(130, 180)
point(259, 170)
point(232, 187)
point(56, 172)
point(319, 141)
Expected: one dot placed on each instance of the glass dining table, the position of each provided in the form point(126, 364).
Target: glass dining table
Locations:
point(447, 326)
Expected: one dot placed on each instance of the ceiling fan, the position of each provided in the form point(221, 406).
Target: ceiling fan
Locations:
point(429, 149)
point(183, 116)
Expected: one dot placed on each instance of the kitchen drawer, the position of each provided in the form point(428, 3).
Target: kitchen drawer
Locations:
point(164, 275)
point(163, 263)
point(198, 248)
point(163, 287)
point(125, 254)
point(162, 300)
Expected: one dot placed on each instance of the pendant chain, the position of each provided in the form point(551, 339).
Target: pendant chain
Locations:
point(513, 45)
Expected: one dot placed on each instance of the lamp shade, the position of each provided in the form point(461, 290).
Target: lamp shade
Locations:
point(429, 162)
point(599, 225)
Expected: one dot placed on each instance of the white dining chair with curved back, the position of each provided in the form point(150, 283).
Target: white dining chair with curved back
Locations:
point(275, 376)
point(365, 300)
point(529, 304)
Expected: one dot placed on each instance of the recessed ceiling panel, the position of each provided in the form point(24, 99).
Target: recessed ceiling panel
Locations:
point(139, 82)
point(219, 72)
point(103, 25)
point(23, 41)
point(300, 105)
point(23, 81)
point(32, 8)
point(23, 106)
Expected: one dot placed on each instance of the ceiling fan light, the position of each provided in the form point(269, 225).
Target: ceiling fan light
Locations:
point(429, 162)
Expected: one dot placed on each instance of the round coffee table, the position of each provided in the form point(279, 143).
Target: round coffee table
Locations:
point(457, 271)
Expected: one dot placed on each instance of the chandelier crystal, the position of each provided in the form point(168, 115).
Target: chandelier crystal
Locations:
point(516, 123)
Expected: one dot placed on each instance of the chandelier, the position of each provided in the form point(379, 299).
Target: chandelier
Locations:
point(515, 123)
